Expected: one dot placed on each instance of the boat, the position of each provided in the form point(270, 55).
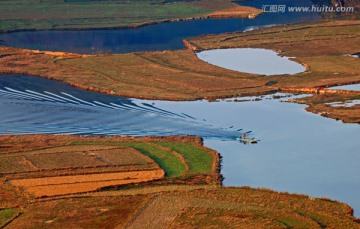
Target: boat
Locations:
point(247, 140)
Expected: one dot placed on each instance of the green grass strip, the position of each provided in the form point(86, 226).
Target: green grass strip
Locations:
point(199, 160)
point(171, 164)
point(6, 214)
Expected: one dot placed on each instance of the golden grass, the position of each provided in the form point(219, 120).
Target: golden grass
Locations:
point(245, 208)
point(53, 186)
point(317, 104)
point(14, 165)
point(63, 160)
point(180, 75)
point(60, 165)
point(175, 75)
point(93, 212)
point(159, 212)
point(237, 11)
point(80, 200)
point(320, 46)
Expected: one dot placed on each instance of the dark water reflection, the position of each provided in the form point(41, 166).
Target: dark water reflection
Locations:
point(149, 38)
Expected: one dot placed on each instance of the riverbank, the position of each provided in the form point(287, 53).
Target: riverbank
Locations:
point(329, 105)
point(180, 75)
point(18, 15)
point(171, 201)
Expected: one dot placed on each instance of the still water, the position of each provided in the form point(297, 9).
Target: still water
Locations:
point(251, 60)
point(352, 87)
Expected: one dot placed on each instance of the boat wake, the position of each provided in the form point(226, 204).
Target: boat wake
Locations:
point(33, 105)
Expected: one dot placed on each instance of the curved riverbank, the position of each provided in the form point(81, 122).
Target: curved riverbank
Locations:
point(174, 12)
point(180, 75)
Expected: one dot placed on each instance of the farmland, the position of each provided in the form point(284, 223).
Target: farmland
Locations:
point(88, 166)
point(129, 182)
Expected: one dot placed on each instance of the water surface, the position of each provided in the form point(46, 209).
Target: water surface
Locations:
point(298, 152)
point(149, 38)
point(251, 60)
point(36, 105)
point(352, 87)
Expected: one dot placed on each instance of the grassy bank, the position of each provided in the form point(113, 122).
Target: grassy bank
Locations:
point(180, 75)
point(185, 197)
point(322, 104)
point(323, 47)
point(86, 14)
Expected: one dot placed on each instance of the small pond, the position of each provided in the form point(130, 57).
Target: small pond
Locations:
point(251, 60)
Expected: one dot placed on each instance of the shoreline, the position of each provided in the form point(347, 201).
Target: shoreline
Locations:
point(144, 24)
point(189, 183)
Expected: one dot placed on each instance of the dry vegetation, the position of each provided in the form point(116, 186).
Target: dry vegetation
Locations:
point(183, 188)
point(67, 194)
point(180, 75)
point(170, 75)
point(320, 104)
point(320, 46)
point(52, 166)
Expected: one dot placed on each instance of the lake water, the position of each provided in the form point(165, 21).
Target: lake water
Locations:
point(298, 152)
point(149, 38)
point(353, 87)
point(251, 60)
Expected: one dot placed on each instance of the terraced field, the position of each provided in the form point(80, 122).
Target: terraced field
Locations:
point(83, 166)
point(114, 166)
point(130, 182)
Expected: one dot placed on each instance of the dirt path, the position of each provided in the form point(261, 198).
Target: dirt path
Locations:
point(159, 213)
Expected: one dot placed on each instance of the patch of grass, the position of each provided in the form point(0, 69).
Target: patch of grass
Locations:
point(199, 160)
point(171, 164)
point(60, 14)
point(6, 214)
